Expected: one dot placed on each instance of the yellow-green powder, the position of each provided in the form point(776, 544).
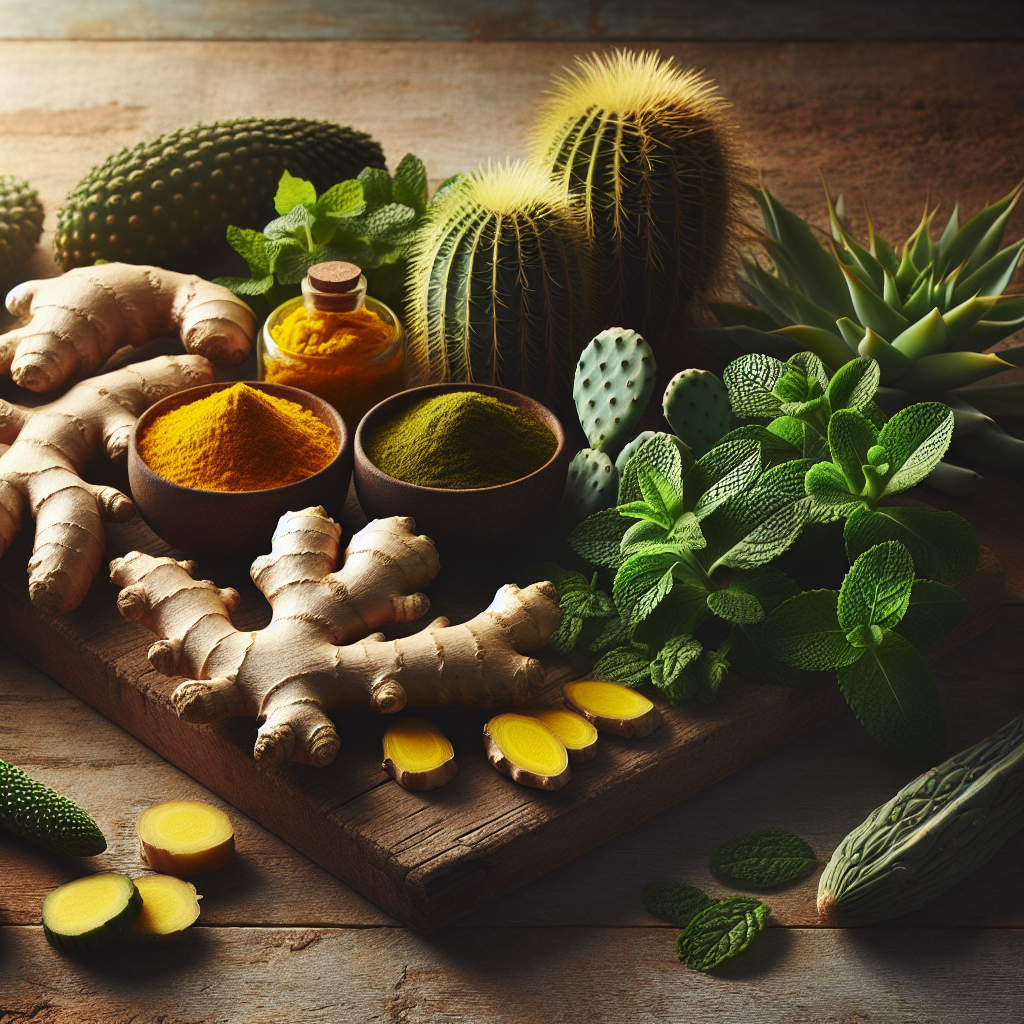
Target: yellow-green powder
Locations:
point(460, 440)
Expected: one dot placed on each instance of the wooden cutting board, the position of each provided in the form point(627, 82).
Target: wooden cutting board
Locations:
point(424, 858)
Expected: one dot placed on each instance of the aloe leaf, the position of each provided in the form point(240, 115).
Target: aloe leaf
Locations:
point(994, 447)
point(946, 371)
point(876, 590)
point(960, 319)
point(851, 331)
point(881, 249)
point(957, 481)
point(732, 342)
point(989, 245)
point(920, 243)
point(1007, 309)
point(950, 230)
point(943, 545)
point(748, 278)
point(923, 338)
point(933, 611)
point(867, 262)
point(996, 399)
point(798, 308)
point(986, 333)
point(992, 277)
point(735, 314)
point(826, 344)
point(892, 364)
point(873, 311)
point(892, 693)
point(804, 632)
point(906, 274)
point(850, 436)
point(891, 293)
point(962, 245)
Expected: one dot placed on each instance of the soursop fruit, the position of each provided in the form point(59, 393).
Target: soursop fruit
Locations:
point(161, 200)
point(21, 223)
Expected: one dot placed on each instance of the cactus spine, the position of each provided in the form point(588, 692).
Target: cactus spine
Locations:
point(645, 149)
point(500, 284)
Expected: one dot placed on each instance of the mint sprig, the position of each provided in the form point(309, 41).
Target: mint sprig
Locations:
point(771, 859)
point(721, 932)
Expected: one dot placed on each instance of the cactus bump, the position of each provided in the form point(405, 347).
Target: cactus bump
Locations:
point(696, 405)
point(21, 223)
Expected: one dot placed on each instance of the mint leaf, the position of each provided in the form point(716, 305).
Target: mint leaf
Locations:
point(876, 590)
point(660, 494)
point(721, 931)
point(598, 538)
point(804, 632)
point(664, 452)
point(643, 535)
point(853, 385)
point(410, 184)
point(342, 200)
point(252, 247)
point(943, 545)
point(830, 493)
point(243, 286)
point(674, 902)
point(710, 670)
point(915, 440)
point(934, 611)
point(725, 471)
point(750, 381)
point(850, 436)
point(296, 224)
point(642, 583)
point(775, 447)
point(734, 605)
point(293, 192)
point(615, 633)
point(892, 693)
point(687, 532)
point(681, 613)
point(630, 666)
point(764, 860)
point(376, 186)
point(671, 670)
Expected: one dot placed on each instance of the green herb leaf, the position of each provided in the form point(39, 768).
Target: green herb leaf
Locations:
point(674, 902)
point(615, 633)
point(297, 223)
point(598, 538)
point(342, 200)
point(943, 545)
point(686, 532)
point(892, 693)
point(246, 285)
point(804, 632)
point(934, 611)
point(642, 583)
point(850, 437)
point(672, 672)
point(915, 439)
point(664, 452)
point(630, 666)
point(876, 590)
point(750, 381)
point(252, 247)
point(681, 613)
point(830, 493)
point(721, 931)
point(775, 448)
point(376, 186)
point(660, 494)
point(725, 471)
point(711, 668)
point(292, 192)
point(764, 860)
point(734, 605)
point(643, 535)
point(853, 385)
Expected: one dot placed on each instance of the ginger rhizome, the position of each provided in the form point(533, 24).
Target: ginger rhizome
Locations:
point(305, 663)
point(417, 755)
point(578, 736)
point(72, 325)
point(527, 751)
point(41, 471)
point(170, 906)
point(611, 707)
point(185, 838)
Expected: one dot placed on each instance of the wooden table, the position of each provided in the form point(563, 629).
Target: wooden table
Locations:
point(279, 939)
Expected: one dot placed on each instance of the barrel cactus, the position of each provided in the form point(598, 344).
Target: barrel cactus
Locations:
point(926, 315)
point(645, 149)
point(500, 284)
point(21, 223)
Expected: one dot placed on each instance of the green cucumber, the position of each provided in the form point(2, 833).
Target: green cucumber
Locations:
point(933, 833)
point(37, 813)
point(90, 912)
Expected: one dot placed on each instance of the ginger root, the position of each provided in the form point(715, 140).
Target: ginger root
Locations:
point(527, 751)
point(304, 663)
point(611, 707)
point(170, 907)
point(73, 324)
point(578, 736)
point(185, 838)
point(417, 755)
point(41, 471)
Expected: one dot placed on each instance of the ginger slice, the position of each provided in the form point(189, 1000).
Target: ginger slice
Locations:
point(169, 907)
point(527, 751)
point(611, 707)
point(185, 838)
point(417, 755)
point(90, 912)
point(578, 736)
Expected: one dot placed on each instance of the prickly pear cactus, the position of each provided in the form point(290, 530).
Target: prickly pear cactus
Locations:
point(592, 484)
point(696, 405)
point(613, 384)
point(631, 449)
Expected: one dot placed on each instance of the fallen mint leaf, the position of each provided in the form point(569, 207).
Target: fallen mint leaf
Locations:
point(674, 902)
point(721, 931)
point(764, 860)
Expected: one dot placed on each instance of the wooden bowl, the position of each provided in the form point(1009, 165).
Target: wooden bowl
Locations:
point(230, 524)
point(477, 518)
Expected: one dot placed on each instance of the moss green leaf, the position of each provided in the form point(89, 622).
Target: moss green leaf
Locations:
point(728, 469)
point(876, 590)
point(850, 436)
point(630, 666)
point(674, 902)
point(734, 605)
point(410, 183)
point(805, 632)
point(830, 493)
point(342, 200)
point(721, 932)
point(772, 859)
point(292, 192)
point(915, 440)
point(672, 669)
point(643, 581)
point(598, 538)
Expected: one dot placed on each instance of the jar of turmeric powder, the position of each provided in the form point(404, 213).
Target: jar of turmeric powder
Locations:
point(352, 359)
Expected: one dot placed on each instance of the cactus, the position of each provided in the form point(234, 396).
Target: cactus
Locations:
point(592, 484)
point(925, 316)
point(696, 405)
point(631, 449)
point(613, 384)
point(500, 284)
point(646, 150)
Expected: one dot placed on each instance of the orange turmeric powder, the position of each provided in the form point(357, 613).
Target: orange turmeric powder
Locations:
point(238, 439)
point(348, 359)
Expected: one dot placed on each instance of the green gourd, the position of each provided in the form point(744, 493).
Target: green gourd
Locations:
point(933, 833)
point(90, 912)
point(500, 288)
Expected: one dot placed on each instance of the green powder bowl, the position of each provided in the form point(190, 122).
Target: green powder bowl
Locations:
point(467, 517)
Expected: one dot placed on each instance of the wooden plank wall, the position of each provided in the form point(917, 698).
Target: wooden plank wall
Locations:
point(486, 20)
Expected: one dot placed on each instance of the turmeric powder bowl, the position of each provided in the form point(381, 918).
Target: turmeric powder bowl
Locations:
point(478, 518)
point(238, 523)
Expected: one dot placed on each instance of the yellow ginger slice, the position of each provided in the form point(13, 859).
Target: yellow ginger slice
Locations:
point(611, 707)
point(185, 838)
point(90, 912)
point(169, 907)
point(527, 751)
point(578, 736)
point(417, 755)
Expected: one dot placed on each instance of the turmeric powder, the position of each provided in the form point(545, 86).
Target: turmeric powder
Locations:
point(348, 359)
point(238, 439)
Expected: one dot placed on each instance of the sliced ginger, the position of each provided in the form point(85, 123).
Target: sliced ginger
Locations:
point(417, 755)
point(169, 907)
point(578, 736)
point(527, 751)
point(611, 707)
point(185, 838)
point(90, 912)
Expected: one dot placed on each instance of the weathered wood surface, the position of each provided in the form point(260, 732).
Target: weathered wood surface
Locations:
point(489, 20)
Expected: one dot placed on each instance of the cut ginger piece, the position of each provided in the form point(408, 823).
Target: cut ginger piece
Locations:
point(578, 736)
point(417, 755)
point(169, 907)
point(527, 751)
point(611, 707)
point(185, 838)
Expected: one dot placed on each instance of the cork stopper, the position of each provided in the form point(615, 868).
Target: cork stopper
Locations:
point(334, 276)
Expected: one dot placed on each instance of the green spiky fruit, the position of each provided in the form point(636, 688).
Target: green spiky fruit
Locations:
point(696, 405)
point(591, 485)
point(163, 200)
point(613, 384)
point(21, 223)
point(36, 812)
point(645, 148)
point(924, 314)
point(500, 289)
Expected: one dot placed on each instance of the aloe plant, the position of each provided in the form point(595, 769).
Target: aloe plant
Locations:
point(926, 315)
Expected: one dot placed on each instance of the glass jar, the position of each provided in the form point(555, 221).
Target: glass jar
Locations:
point(352, 385)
